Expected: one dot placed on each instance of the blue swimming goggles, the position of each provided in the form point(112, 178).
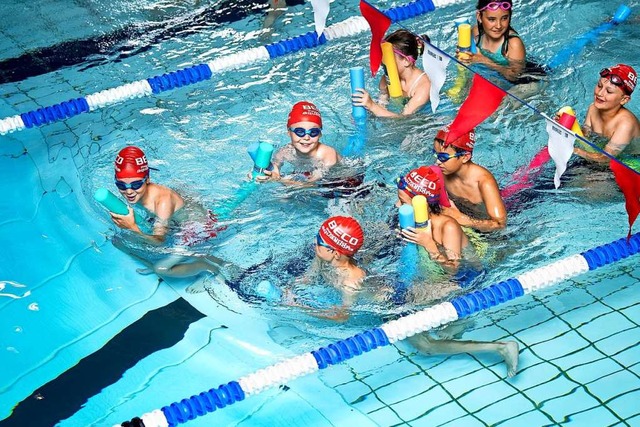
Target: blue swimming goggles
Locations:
point(135, 185)
point(302, 132)
point(321, 242)
point(445, 157)
point(402, 185)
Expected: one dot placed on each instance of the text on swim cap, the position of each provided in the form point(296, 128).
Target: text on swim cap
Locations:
point(634, 79)
point(139, 160)
point(311, 110)
point(342, 234)
point(339, 237)
point(429, 188)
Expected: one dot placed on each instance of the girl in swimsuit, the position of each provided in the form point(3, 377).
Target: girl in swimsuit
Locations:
point(499, 45)
point(414, 82)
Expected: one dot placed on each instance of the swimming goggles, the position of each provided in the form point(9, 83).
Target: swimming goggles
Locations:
point(401, 182)
point(614, 79)
point(321, 242)
point(495, 5)
point(135, 185)
point(445, 157)
point(302, 132)
point(408, 58)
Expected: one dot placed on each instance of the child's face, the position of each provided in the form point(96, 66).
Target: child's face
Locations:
point(495, 23)
point(135, 188)
point(305, 144)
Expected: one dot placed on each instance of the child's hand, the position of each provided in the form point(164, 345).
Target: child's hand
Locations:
point(268, 176)
point(361, 98)
point(126, 222)
point(420, 237)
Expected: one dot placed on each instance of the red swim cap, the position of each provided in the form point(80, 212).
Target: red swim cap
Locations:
point(343, 234)
point(626, 73)
point(425, 181)
point(131, 163)
point(465, 142)
point(304, 111)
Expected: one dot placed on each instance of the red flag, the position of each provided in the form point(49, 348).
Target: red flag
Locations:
point(629, 183)
point(379, 23)
point(482, 101)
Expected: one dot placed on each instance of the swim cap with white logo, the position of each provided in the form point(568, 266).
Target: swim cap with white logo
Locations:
point(343, 234)
point(131, 163)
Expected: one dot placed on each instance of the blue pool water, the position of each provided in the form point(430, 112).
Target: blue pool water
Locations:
point(85, 340)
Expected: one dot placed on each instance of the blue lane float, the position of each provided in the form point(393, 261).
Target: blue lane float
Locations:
point(462, 306)
point(591, 36)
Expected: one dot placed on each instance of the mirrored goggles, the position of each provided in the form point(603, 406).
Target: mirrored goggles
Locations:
point(614, 79)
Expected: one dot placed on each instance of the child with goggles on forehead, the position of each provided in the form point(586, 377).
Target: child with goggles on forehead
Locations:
point(310, 158)
point(498, 45)
point(337, 242)
point(445, 242)
point(608, 117)
point(415, 83)
point(473, 190)
point(171, 214)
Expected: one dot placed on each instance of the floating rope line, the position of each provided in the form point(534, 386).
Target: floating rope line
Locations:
point(198, 73)
point(389, 333)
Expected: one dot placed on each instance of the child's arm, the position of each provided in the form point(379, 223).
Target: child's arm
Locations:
point(163, 209)
point(516, 56)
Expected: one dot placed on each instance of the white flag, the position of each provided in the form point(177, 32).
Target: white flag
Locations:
point(434, 64)
point(560, 147)
point(320, 13)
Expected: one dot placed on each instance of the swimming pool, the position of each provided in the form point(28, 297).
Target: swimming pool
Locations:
point(87, 341)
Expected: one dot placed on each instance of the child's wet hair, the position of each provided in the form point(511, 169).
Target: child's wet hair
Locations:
point(408, 43)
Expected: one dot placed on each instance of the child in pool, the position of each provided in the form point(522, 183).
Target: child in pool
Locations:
point(337, 242)
point(171, 214)
point(499, 45)
point(415, 83)
point(472, 187)
point(444, 240)
point(607, 116)
point(310, 158)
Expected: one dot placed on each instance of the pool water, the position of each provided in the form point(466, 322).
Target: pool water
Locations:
point(88, 341)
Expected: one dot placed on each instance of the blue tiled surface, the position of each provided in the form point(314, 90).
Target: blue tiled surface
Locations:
point(577, 368)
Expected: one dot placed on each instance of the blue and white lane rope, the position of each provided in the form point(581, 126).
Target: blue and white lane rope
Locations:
point(390, 332)
point(198, 73)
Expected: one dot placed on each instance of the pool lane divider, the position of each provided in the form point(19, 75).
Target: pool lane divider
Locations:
point(459, 307)
point(201, 72)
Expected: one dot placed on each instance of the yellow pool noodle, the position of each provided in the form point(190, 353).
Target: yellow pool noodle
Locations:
point(576, 126)
point(420, 211)
point(464, 46)
point(391, 70)
point(576, 129)
point(464, 40)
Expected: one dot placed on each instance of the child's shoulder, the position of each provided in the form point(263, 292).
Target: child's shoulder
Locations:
point(326, 151)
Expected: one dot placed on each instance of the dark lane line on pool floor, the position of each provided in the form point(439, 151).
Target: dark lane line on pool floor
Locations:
point(65, 395)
